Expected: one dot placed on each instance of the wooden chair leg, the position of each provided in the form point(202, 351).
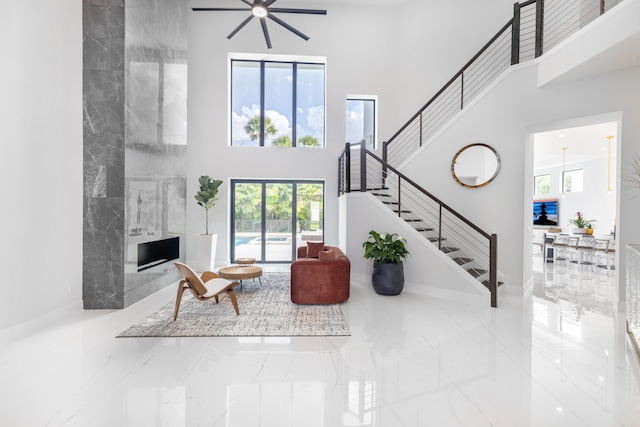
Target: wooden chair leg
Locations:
point(234, 301)
point(178, 299)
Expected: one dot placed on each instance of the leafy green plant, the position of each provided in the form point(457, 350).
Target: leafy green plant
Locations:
point(206, 197)
point(580, 222)
point(389, 248)
point(252, 128)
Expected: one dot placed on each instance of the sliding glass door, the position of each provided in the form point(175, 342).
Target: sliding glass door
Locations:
point(271, 218)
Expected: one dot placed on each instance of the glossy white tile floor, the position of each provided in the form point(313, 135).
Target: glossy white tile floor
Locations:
point(412, 360)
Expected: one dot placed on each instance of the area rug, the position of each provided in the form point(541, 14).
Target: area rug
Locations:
point(265, 310)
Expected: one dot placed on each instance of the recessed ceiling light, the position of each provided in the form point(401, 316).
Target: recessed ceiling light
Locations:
point(562, 135)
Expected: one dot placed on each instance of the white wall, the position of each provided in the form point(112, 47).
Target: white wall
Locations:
point(41, 162)
point(505, 118)
point(361, 46)
point(435, 39)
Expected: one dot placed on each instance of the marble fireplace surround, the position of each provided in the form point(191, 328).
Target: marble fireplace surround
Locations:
point(134, 101)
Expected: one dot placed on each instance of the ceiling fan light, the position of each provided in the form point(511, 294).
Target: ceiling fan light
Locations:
point(259, 10)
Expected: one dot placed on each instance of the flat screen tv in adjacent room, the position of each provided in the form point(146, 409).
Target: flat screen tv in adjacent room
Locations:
point(545, 212)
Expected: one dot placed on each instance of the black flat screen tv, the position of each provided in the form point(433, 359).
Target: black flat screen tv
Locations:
point(545, 212)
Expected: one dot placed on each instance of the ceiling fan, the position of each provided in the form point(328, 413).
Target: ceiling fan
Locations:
point(262, 9)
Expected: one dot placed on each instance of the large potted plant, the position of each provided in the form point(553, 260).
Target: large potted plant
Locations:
point(206, 243)
point(387, 253)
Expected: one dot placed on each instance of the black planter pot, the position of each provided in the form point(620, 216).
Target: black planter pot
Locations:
point(388, 278)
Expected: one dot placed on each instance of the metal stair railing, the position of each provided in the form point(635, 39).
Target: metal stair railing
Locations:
point(536, 26)
point(435, 220)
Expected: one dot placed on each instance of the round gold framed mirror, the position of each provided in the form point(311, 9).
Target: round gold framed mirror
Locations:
point(475, 165)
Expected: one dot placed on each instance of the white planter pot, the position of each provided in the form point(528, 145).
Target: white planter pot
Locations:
point(206, 251)
point(579, 231)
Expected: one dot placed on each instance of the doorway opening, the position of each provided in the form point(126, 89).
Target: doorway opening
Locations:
point(271, 218)
point(575, 175)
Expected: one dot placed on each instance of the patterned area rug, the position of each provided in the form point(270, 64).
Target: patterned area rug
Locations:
point(265, 310)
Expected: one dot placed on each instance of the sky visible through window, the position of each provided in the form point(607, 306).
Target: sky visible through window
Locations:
point(360, 121)
point(278, 101)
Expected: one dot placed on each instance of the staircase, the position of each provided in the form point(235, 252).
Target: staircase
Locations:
point(536, 25)
point(468, 246)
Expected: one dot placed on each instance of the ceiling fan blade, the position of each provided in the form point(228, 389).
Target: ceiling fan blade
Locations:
point(247, 2)
point(220, 9)
point(269, 2)
point(239, 27)
point(263, 23)
point(305, 11)
point(288, 27)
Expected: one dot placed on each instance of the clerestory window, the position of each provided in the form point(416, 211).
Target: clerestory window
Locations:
point(277, 103)
point(361, 120)
point(572, 181)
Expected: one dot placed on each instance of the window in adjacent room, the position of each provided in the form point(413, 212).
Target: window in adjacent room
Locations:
point(542, 184)
point(277, 103)
point(572, 181)
point(361, 120)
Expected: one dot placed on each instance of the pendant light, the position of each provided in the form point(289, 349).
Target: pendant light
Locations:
point(609, 164)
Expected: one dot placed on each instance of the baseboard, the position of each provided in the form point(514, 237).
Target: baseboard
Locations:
point(38, 323)
point(432, 291)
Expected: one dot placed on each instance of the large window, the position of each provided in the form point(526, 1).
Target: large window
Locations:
point(271, 219)
point(277, 103)
point(572, 181)
point(361, 120)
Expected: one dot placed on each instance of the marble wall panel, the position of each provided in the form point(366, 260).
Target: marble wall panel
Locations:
point(134, 76)
point(103, 156)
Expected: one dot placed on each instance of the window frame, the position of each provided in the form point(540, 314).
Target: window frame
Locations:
point(535, 184)
point(263, 182)
point(294, 92)
point(564, 180)
point(374, 99)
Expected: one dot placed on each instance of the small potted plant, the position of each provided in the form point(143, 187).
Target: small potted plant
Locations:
point(581, 223)
point(387, 253)
point(206, 243)
point(590, 228)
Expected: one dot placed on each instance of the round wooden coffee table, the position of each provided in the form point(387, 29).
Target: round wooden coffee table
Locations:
point(246, 261)
point(240, 273)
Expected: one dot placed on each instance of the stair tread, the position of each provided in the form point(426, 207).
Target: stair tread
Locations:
point(486, 283)
point(462, 260)
point(449, 249)
point(435, 239)
point(476, 272)
point(422, 229)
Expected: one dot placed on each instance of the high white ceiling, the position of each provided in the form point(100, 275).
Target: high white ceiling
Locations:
point(583, 144)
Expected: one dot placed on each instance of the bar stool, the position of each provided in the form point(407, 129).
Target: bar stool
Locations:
point(559, 246)
point(573, 254)
point(586, 251)
point(611, 255)
point(601, 257)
